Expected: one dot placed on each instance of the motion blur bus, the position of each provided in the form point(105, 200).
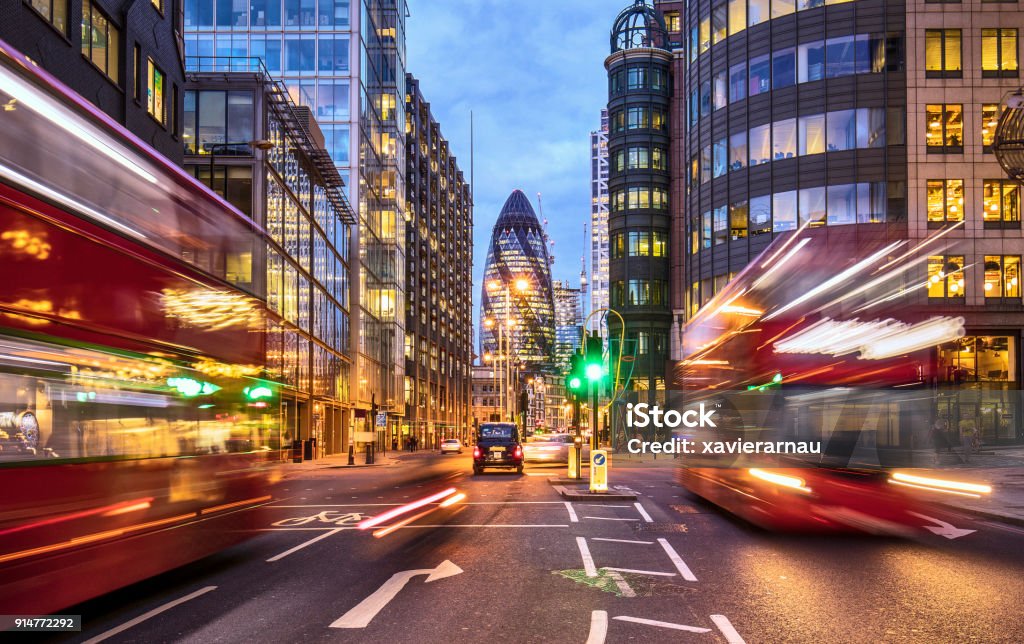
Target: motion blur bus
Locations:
point(823, 340)
point(138, 424)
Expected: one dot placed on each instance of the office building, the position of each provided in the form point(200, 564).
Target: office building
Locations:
point(599, 215)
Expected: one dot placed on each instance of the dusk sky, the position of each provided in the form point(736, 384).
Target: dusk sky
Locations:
point(532, 72)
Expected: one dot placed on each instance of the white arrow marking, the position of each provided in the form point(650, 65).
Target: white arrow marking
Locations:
point(943, 529)
point(364, 612)
point(724, 625)
point(654, 622)
point(598, 627)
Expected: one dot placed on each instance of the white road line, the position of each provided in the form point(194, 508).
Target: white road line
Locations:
point(646, 543)
point(153, 613)
point(654, 622)
point(724, 625)
point(362, 505)
point(487, 525)
point(621, 584)
point(300, 529)
point(610, 518)
point(642, 572)
point(572, 512)
point(588, 561)
point(643, 513)
point(681, 566)
point(303, 545)
point(598, 627)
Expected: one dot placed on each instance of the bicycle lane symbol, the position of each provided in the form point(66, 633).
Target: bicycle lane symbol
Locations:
point(325, 518)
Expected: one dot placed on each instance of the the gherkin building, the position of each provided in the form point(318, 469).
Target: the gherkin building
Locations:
point(517, 288)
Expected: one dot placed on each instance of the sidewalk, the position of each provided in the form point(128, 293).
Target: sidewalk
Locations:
point(1003, 469)
point(340, 461)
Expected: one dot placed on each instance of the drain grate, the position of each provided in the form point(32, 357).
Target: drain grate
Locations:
point(660, 527)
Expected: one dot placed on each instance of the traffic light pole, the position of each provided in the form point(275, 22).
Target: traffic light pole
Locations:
point(595, 386)
point(576, 421)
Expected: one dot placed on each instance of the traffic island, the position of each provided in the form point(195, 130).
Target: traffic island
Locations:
point(584, 494)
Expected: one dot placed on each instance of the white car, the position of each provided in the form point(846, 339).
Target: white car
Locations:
point(552, 448)
point(451, 446)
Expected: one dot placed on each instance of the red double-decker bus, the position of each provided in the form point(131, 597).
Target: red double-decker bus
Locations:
point(824, 341)
point(137, 423)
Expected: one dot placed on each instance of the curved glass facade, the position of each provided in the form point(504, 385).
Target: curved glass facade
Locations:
point(795, 115)
point(639, 205)
point(517, 288)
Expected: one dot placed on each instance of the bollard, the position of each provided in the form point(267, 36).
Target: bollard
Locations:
point(351, 454)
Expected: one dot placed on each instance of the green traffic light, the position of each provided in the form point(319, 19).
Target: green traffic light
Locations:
point(575, 383)
point(594, 372)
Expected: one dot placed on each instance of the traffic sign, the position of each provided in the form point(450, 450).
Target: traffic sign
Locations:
point(382, 419)
point(599, 471)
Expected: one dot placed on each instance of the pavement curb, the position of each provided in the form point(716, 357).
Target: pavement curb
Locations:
point(568, 481)
point(986, 514)
point(582, 495)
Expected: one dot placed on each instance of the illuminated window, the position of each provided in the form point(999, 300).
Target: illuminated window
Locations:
point(155, 92)
point(738, 150)
point(101, 41)
point(946, 276)
point(757, 12)
point(1001, 203)
point(738, 220)
point(945, 200)
point(1002, 276)
point(638, 118)
point(672, 20)
point(942, 53)
point(705, 34)
point(945, 128)
point(720, 224)
point(737, 16)
point(761, 215)
point(979, 358)
point(999, 53)
point(719, 22)
point(989, 119)
point(782, 8)
point(54, 12)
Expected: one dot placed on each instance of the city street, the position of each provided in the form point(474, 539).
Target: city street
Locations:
point(514, 562)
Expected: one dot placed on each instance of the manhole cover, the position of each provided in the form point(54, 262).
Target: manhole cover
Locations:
point(659, 527)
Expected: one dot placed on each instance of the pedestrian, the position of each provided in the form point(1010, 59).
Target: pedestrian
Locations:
point(937, 436)
point(414, 443)
point(394, 444)
point(968, 433)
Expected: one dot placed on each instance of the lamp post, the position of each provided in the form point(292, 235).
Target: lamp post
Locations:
point(521, 285)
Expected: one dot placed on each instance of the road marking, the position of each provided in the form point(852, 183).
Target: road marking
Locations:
point(588, 561)
point(654, 622)
point(724, 625)
point(368, 505)
point(303, 545)
point(680, 565)
point(487, 525)
point(153, 613)
point(643, 572)
point(598, 627)
point(943, 529)
point(646, 543)
point(572, 513)
point(363, 613)
point(610, 518)
point(620, 583)
point(643, 513)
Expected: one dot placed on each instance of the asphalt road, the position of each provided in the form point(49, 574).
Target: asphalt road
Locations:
point(511, 564)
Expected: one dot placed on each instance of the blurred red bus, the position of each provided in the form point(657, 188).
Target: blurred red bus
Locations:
point(132, 347)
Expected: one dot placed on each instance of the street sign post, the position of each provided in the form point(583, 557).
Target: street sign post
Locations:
point(599, 470)
point(382, 419)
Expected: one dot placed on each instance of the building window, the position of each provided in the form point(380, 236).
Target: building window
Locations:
point(999, 53)
point(990, 113)
point(945, 201)
point(218, 118)
point(738, 220)
point(672, 20)
point(979, 358)
point(136, 69)
point(720, 225)
point(811, 134)
point(760, 144)
point(784, 211)
point(945, 125)
point(54, 12)
point(636, 78)
point(155, 92)
point(1002, 276)
point(945, 276)
point(719, 22)
point(760, 75)
point(719, 158)
point(1001, 203)
point(942, 53)
point(761, 215)
point(757, 12)
point(737, 150)
point(705, 34)
point(784, 139)
point(737, 82)
point(100, 40)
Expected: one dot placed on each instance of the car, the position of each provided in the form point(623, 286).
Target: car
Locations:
point(498, 445)
point(451, 446)
point(552, 448)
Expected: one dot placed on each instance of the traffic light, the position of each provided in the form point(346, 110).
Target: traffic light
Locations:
point(594, 359)
point(575, 380)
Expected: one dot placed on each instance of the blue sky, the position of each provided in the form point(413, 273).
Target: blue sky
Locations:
point(532, 72)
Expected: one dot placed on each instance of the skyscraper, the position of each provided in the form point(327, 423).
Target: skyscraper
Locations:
point(639, 218)
point(568, 320)
point(599, 215)
point(516, 298)
point(345, 60)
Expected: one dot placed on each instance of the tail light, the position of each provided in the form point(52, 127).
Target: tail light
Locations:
point(476, 451)
point(518, 453)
